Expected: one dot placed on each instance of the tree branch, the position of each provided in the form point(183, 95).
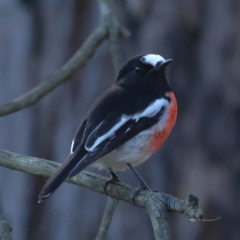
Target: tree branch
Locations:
point(78, 60)
point(158, 215)
point(106, 219)
point(113, 28)
point(95, 182)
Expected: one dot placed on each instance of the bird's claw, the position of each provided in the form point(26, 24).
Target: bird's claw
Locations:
point(113, 180)
point(142, 187)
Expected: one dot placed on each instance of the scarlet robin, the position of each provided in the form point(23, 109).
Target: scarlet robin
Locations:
point(125, 125)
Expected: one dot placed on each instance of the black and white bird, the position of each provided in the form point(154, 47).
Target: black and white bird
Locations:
point(125, 125)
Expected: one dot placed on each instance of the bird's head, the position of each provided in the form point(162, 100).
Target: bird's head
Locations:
point(143, 70)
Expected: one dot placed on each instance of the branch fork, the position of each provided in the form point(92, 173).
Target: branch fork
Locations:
point(109, 28)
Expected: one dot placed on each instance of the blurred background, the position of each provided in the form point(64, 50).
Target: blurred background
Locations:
point(201, 156)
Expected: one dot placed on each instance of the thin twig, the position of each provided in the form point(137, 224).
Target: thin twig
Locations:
point(95, 182)
point(78, 60)
point(106, 219)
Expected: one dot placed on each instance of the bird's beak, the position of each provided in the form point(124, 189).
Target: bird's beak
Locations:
point(160, 66)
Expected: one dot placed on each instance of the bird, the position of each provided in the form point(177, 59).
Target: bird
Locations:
point(125, 125)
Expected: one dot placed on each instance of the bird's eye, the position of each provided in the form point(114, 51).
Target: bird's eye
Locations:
point(138, 69)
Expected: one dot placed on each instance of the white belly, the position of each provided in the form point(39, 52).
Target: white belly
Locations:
point(134, 151)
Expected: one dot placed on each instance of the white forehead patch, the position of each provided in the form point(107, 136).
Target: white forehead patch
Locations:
point(152, 59)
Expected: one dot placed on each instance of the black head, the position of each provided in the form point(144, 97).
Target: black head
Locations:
point(144, 71)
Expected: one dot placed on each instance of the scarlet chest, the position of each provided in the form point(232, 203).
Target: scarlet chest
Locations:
point(162, 130)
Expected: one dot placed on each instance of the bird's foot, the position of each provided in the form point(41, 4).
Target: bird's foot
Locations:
point(113, 180)
point(143, 186)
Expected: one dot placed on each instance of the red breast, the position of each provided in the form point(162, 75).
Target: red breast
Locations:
point(159, 137)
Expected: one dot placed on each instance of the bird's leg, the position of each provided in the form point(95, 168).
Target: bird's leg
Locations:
point(114, 179)
point(143, 184)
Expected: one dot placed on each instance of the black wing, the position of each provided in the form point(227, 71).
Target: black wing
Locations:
point(111, 133)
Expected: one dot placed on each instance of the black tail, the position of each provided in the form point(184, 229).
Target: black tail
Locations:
point(61, 174)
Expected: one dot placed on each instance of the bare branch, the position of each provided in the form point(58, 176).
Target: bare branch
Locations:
point(5, 229)
point(95, 182)
point(57, 78)
point(158, 215)
point(106, 219)
point(78, 60)
point(114, 28)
